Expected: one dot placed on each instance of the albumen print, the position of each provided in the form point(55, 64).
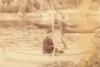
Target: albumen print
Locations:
point(49, 33)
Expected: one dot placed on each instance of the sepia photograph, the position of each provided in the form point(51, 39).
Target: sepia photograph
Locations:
point(49, 33)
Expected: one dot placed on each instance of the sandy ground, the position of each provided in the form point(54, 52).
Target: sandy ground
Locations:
point(23, 49)
point(30, 58)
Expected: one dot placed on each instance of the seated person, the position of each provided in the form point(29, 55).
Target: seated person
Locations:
point(48, 45)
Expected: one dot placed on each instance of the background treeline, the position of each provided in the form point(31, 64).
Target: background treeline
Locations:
point(13, 6)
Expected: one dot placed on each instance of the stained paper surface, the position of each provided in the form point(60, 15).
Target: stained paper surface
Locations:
point(74, 27)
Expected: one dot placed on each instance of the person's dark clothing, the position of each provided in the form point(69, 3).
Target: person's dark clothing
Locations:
point(48, 45)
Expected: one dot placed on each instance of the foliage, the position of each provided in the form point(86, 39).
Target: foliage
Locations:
point(10, 6)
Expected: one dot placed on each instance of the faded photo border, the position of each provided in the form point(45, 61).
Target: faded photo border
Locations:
point(49, 33)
